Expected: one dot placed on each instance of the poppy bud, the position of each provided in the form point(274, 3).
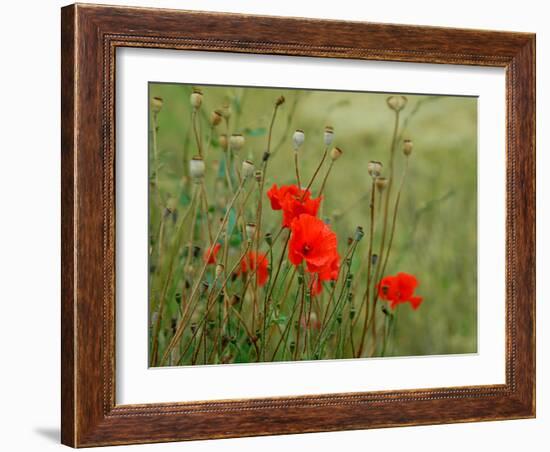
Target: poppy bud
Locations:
point(258, 175)
point(156, 104)
point(173, 324)
point(196, 168)
point(250, 230)
point(196, 98)
point(374, 259)
point(298, 139)
point(178, 298)
point(359, 233)
point(222, 139)
point(196, 251)
point(247, 169)
point(374, 168)
point(292, 346)
point(215, 118)
point(236, 142)
point(235, 300)
point(396, 103)
point(269, 238)
point(193, 327)
point(352, 312)
point(335, 154)
point(407, 147)
point(329, 135)
point(381, 183)
point(280, 101)
point(219, 270)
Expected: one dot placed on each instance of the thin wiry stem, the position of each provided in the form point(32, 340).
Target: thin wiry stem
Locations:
point(325, 178)
point(394, 218)
point(265, 160)
point(181, 325)
point(196, 132)
point(366, 295)
point(323, 158)
point(302, 299)
point(384, 224)
point(211, 300)
point(297, 169)
point(171, 262)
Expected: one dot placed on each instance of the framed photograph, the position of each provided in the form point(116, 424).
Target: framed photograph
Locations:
point(281, 225)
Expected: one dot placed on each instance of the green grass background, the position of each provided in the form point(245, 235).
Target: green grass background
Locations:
point(436, 230)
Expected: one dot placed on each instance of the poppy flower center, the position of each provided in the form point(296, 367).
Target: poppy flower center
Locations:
point(306, 249)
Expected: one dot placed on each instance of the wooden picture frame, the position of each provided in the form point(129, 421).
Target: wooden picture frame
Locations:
point(90, 36)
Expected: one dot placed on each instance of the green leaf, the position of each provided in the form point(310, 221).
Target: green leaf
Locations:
point(281, 320)
point(257, 132)
point(184, 199)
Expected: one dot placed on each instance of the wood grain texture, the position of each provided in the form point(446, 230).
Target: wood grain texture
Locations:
point(90, 36)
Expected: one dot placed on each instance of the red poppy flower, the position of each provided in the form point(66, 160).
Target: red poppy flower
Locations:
point(293, 201)
point(256, 262)
point(313, 241)
point(399, 289)
point(212, 253)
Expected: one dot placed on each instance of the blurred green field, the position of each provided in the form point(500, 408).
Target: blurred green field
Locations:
point(437, 224)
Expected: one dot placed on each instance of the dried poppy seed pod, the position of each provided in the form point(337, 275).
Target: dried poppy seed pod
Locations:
point(396, 103)
point(219, 270)
point(374, 168)
point(226, 110)
point(407, 147)
point(280, 101)
point(215, 118)
point(196, 168)
point(335, 154)
point(250, 229)
point(381, 183)
point(222, 139)
point(247, 169)
point(196, 98)
point(329, 135)
point(236, 142)
point(298, 139)
point(156, 104)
